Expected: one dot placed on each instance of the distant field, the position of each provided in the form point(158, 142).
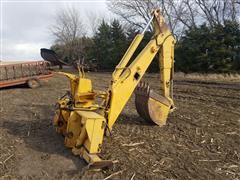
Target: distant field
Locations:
point(15, 62)
point(216, 77)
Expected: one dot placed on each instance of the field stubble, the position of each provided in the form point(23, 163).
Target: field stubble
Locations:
point(200, 141)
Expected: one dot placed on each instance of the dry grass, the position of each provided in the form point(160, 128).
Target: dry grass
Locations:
point(215, 77)
point(235, 77)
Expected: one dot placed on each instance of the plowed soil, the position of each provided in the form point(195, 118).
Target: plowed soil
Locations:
point(200, 141)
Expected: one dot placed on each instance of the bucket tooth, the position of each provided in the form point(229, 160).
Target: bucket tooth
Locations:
point(151, 106)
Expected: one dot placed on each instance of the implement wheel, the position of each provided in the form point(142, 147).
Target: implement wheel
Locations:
point(33, 83)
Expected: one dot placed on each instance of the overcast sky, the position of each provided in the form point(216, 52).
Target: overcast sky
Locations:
point(25, 24)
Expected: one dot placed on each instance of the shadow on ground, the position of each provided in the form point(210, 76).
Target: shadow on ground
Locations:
point(36, 131)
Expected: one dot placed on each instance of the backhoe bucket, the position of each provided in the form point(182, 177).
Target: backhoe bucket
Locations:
point(151, 106)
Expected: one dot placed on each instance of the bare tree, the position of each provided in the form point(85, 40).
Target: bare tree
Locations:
point(180, 15)
point(218, 11)
point(69, 31)
point(135, 12)
point(68, 25)
point(94, 20)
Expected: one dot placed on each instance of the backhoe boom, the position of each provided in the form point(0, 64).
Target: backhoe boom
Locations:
point(123, 86)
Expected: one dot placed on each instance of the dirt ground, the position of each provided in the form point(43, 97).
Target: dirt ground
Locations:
point(200, 141)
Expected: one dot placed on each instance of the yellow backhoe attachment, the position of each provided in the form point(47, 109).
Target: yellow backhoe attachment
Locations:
point(83, 122)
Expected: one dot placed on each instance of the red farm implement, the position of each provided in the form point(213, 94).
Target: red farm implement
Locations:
point(30, 73)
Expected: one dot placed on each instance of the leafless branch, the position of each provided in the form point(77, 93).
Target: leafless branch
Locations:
point(180, 15)
point(68, 25)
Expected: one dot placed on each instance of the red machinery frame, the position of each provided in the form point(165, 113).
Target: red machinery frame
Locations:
point(37, 70)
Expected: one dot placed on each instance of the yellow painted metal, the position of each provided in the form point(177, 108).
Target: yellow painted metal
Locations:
point(94, 125)
point(122, 89)
point(84, 96)
point(166, 64)
point(127, 56)
point(73, 80)
point(159, 108)
point(74, 127)
point(83, 122)
point(83, 129)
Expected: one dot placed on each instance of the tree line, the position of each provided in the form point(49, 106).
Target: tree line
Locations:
point(210, 44)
